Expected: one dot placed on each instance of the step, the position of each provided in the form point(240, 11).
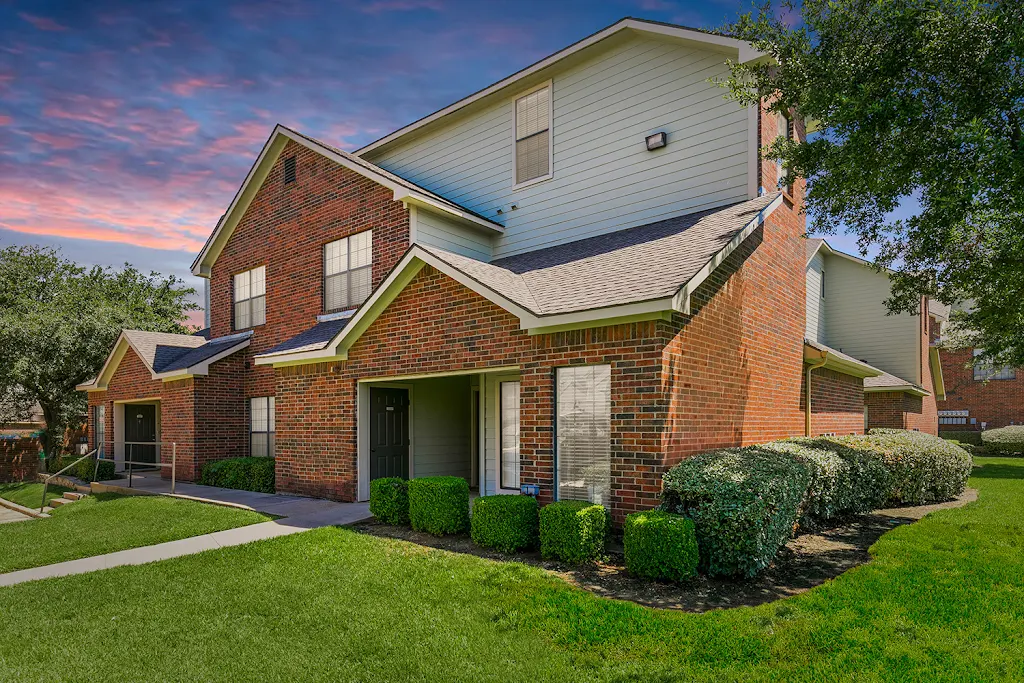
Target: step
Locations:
point(74, 495)
point(57, 502)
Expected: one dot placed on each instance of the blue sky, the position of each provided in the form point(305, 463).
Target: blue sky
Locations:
point(126, 127)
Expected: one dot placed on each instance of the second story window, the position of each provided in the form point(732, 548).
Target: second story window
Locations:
point(785, 132)
point(984, 372)
point(348, 267)
point(251, 298)
point(533, 135)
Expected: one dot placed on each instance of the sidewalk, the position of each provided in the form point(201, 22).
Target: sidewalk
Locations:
point(297, 515)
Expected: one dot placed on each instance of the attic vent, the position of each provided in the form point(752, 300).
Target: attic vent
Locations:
point(289, 170)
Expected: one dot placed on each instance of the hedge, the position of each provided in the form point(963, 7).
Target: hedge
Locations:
point(744, 503)
point(970, 437)
point(86, 470)
point(921, 468)
point(505, 523)
point(439, 505)
point(389, 500)
point(660, 545)
point(245, 474)
point(573, 531)
point(1004, 440)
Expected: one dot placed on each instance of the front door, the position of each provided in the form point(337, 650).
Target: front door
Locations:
point(389, 433)
point(140, 433)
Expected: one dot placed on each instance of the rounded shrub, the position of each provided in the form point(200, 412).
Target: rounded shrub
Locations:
point(1004, 440)
point(439, 505)
point(744, 503)
point(86, 470)
point(389, 500)
point(660, 545)
point(921, 468)
point(573, 531)
point(505, 523)
point(245, 474)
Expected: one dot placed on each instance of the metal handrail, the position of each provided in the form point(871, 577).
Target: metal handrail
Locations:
point(46, 482)
point(131, 463)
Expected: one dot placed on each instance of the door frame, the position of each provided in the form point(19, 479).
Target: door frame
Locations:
point(363, 431)
point(116, 449)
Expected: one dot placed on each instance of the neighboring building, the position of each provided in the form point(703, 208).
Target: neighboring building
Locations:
point(562, 284)
point(846, 314)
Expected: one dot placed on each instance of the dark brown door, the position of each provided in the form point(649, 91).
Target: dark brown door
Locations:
point(139, 433)
point(389, 433)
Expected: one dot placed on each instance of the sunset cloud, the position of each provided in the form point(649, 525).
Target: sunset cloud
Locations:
point(43, 23)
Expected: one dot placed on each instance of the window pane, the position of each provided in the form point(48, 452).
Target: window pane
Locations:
point(258, 281)
point(336, 292)
point(242, 286)
point(532, 114)
point(509, 435)
point(360, 286)
point(259, 310)
point(361, 249)
point(242, 320)
point(336, 257)
point(258, 414)
point(258, 445)
point(271, 422)
point(532, 157)
point(583, 423)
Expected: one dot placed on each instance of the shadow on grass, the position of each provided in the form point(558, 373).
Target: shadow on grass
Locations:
point(997, 471)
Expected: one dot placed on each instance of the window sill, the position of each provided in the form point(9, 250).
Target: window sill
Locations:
point(532, 182)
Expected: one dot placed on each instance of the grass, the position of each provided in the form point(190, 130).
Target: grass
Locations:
point(943, 600)
point(30, 494)
point(106, 523)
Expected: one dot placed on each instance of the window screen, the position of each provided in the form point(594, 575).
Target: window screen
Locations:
point(99, 424)
point(583, 424)
point(251, 298)
point(261, 426)
point(784, 133)
point(509, 411)
point(986, 371)
point(533, 135)
point(348, 267)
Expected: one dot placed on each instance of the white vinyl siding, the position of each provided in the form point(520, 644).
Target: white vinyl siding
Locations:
point(441, 428)
point(508, 447)
point(250, 295)
point(533, 136)
point(262, 428)
point(856, 320)
point(583, 433)
point(605, 179)
point(348, 271)
point(434, 230)
point(985, 371)
point(815, 287)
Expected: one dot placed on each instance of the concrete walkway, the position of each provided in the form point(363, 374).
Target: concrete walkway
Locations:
point(297, 515)
point(8, 515)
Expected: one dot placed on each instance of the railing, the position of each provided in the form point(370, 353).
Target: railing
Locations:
point(132, 463)
point(46, 482)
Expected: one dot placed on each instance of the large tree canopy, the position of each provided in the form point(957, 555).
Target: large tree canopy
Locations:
point(917, 102)
point(58, 322)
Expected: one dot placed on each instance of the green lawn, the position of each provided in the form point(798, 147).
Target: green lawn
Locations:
point(943, 600)
point(106, 523)
point(30, 494)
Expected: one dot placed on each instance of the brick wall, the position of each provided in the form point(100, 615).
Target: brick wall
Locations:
point(19, 458)
point(998, 402)
point(837, 403)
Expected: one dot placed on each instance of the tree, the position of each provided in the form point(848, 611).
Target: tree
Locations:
point(58, 322)
point(916, 101)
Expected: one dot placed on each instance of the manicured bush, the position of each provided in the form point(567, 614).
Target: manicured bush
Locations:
point(389, 500)
point(86, 470)
point(971, 437)
point(1004, 440)
point(744, 503)
point(505, 523)
point(245, 474)
point(921, 468)
point(573, 531)
point(439, 505)
point(660, 545)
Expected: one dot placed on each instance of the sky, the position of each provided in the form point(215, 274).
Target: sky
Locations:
point(127, 127)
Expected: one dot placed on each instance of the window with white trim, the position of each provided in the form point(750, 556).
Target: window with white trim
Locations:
point(261, 426)
point(250, 298)
point(583, 424)
point(784, 130)
point(348, 267)
point(986, 371)
point(509, 450)
point(533, 135)
point(99, 422)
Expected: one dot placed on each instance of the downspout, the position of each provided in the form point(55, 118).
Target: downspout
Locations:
point(807, 404)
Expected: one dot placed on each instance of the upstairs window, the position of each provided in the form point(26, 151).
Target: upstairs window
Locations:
point(262, 429)
point(348, 266)
point(251, 298)
point(533, 135)
point(785, 132)
point(986, 371)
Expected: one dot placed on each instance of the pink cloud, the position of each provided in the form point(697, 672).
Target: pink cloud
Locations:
point(5, 120)
point(245, 142)
point(61, 142)
point(187, 86)
point(43, 23)
point(96, 110)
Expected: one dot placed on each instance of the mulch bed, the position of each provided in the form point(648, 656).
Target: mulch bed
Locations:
point(808, 560)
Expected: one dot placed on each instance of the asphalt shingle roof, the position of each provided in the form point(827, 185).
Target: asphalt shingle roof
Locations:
point(313, 339)
point(887, 381)
point(638, 264)
point(164, 352)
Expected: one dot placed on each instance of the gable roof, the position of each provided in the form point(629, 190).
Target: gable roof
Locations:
point(649, 271)
point(404, 191)
point(743, 51)
point(888, 382)
point(167, 355)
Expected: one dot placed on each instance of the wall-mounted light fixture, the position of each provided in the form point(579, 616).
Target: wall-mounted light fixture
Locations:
point(656, 140)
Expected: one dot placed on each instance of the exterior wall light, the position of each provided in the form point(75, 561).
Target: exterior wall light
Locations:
point(656, 140)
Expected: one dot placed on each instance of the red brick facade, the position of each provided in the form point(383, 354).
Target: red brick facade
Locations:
point(19, 458)
point(837, 403)
point(996, 403)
